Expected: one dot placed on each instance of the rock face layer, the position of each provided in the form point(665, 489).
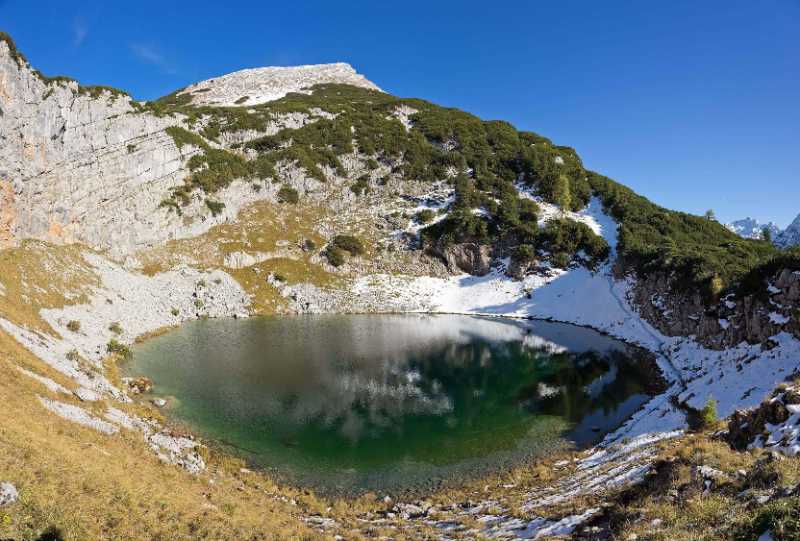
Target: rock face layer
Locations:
point(260, 85)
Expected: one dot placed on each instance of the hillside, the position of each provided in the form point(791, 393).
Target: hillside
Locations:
point(311, 190)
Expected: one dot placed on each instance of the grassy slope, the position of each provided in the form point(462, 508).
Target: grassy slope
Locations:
point(674, 505)
point(91, 486)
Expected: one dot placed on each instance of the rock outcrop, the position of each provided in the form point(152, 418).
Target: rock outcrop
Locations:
point(8, 494)
point(752, 318)
point(261, 85)
point(468, 257)
point(774, 425)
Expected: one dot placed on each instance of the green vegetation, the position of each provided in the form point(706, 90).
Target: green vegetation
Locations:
point(340, 246)
point(95, 91)
point(115, 328)
point(287, 194)
point(755, 280)
point(183, 137)
point(707, 416)
point(485, 161)
point(118, 348)
point(215, 207)
point(74, 326)
point(361, 186)
point(699, 253)
point(348, 243)
point(425, 216)
point(335, 255)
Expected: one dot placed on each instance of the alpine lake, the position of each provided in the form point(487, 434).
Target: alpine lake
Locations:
point(393, 403)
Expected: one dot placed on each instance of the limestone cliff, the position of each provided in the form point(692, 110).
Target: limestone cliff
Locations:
point(93, 165)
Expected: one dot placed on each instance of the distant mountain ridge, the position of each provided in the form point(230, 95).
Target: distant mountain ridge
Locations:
point(751, 228)
point(790, 236)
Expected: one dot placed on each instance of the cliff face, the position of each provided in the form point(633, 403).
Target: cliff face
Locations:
point(81, 167)
point(92, 166)
point(750, 318)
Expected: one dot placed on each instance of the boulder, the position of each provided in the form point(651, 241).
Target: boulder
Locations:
point(8, 494)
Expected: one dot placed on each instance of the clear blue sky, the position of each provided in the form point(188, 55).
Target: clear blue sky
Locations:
point(693, 104)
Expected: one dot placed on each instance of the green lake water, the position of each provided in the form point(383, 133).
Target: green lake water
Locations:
point(392, 402)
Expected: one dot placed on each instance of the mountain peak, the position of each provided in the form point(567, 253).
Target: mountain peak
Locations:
point(750, 228)
point(790, 236)
point(260, 85)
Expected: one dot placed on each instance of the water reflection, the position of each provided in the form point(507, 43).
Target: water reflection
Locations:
point(363, 400)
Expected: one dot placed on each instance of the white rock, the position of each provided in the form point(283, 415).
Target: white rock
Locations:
point(8, 494)
point(260, 85)
point(79, 416)
point(87, 395)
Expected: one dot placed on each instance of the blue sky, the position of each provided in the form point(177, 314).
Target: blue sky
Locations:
point(693, 104)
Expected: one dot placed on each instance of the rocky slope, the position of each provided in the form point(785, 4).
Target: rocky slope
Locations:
point(92, 166)
point(260, 85)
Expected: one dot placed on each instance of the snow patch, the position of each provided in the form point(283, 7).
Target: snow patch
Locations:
point(778, 319)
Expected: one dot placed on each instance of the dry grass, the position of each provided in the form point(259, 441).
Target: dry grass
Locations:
point(91, 486)
point(37, 275)
point(270, 231)
point(675, 504)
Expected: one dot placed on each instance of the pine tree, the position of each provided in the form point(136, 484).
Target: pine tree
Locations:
point(766, 234)
point(561, 193)
point(710, 215)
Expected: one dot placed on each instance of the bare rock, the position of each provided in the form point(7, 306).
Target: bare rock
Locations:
point(468, 257)
point(8, 494)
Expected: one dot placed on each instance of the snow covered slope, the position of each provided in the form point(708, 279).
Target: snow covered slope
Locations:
point(260, 85)
point(790, 236)
point(751, 228)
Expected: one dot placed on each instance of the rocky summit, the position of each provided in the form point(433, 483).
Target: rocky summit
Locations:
point(260, 85)
point(308, 190)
